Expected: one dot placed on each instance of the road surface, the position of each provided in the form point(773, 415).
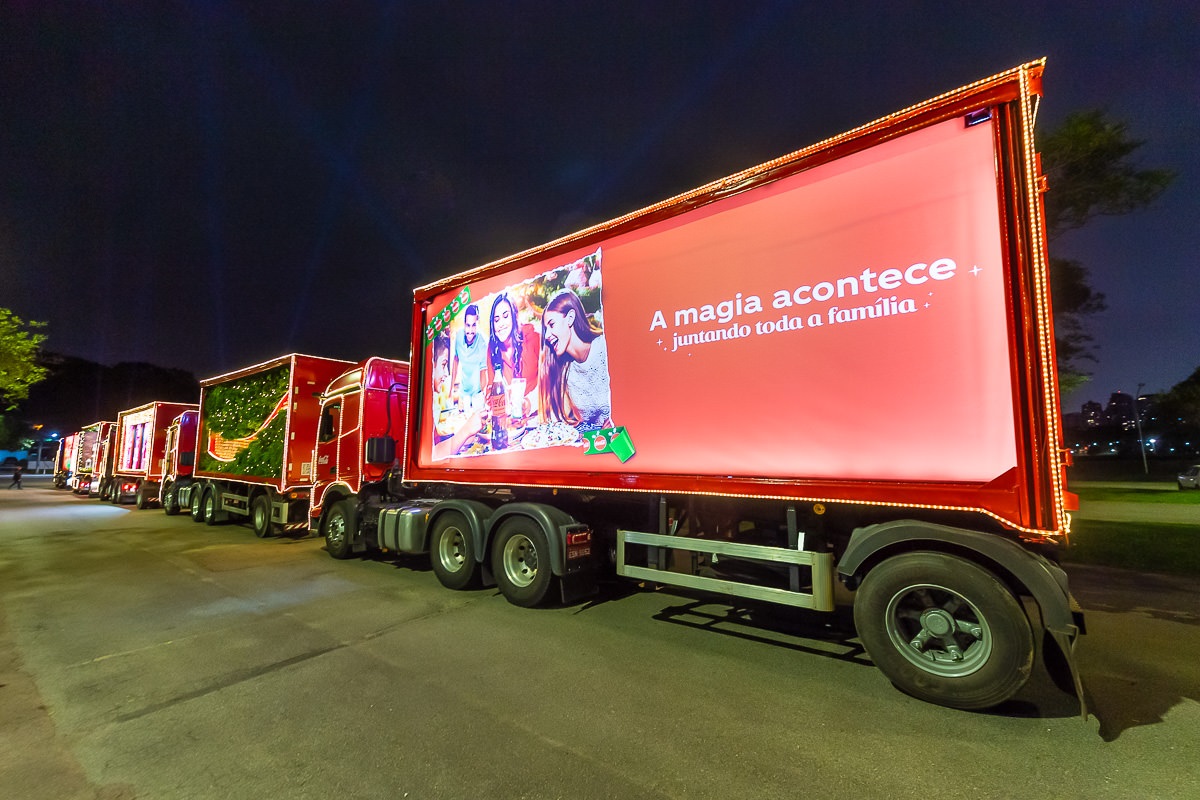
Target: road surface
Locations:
point(149, 657)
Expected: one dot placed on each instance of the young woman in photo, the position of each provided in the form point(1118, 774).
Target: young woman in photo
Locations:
point(574, 385)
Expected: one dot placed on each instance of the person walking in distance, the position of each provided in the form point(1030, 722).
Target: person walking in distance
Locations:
point(16, 481)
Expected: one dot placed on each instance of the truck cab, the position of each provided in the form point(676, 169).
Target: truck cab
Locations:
point(361, 421)
point(178, 460)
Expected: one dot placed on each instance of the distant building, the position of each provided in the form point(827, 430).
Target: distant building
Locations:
point(1119, 411)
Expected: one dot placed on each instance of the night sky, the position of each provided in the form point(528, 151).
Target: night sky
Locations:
point(208, 185)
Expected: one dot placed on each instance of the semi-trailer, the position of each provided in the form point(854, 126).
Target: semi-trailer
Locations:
point(827, 379)
point(140, 451)
point(179, 460)
point(255, 435)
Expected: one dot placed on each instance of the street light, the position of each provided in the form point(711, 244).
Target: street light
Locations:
point(1137, 418)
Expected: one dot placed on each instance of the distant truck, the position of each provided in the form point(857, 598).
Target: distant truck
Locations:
point(179, 460)
point(89, 456)
point(255, 435)
point(104, 483)
point(64, 460)
point(827, 379)
point(140, 451)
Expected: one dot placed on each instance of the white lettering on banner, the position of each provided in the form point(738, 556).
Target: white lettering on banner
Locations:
point(704, 337)
point(867, 282)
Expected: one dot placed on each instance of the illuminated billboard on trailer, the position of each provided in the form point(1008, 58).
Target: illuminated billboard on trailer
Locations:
point(845, 322)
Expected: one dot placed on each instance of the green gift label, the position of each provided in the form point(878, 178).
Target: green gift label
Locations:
point(441, 320)
point(610, 440)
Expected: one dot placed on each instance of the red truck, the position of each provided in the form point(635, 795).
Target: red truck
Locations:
point(104, 482)
point(362, 417)
point(140, 451)
point(828, 379)
point(64, 460)
point(178, 461)
point(90, 453)
point(256, 431)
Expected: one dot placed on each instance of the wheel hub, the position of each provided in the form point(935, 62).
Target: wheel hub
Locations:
point(937, 621)
point(938, 630)
point(337, 530)
point(520, 560)
point(452, 551)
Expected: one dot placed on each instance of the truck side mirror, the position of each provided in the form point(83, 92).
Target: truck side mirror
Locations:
point(381, 450)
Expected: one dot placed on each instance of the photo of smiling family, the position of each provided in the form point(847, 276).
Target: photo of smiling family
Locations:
point(524, 368)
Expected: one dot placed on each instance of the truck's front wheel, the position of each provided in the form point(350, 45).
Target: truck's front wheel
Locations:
point(521, 562)
point(170, 500)
point(339, 529)
point(452, 551)
point(944, 630)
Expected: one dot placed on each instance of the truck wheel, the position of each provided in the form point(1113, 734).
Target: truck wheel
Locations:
point(339, 529)
point(452, 551)
point(142, 500)
point(260, 517)
point(197, 505)
point(170, 501)
point(945, 630)
point(521, 562)
point(210, 506)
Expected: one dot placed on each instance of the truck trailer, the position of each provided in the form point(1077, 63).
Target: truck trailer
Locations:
point(140, 451)
point(64, 460)
point(104, 481)
point(89, 455)
point(178, 461)
point(828, 379)
point(255, 435)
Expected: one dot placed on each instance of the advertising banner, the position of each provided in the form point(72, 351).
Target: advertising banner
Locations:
point(136, 437)
point(846, 322)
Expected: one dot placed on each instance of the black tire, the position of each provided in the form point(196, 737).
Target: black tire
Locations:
point(521, 562)
point(339, 529)
point(944, 630)
point(260, 517)
point(143, 498)
point(170, 500)
point(197, 503)
point(210, 506)
point(452, 552)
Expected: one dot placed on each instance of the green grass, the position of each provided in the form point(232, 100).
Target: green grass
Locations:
point(1172, 496)
point(1146, 546)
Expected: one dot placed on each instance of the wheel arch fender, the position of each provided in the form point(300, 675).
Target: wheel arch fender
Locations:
point(1019, 568)
point(332, 493)
point(550, 519)
point(1012, 563)
point(477, 515)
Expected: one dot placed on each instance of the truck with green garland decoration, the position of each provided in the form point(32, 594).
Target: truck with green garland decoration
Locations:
point(255, 435)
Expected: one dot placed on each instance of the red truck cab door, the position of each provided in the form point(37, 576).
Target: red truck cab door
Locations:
point(325, 468)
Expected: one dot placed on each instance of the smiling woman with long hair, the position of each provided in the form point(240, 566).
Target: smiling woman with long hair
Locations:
point(573, 384)
point(512, 347)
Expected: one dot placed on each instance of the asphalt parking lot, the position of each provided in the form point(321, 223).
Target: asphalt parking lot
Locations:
point(143, 656)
